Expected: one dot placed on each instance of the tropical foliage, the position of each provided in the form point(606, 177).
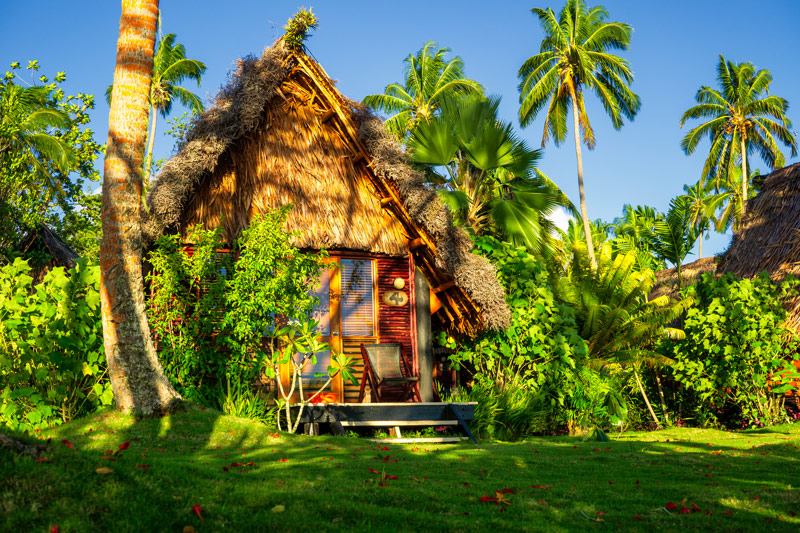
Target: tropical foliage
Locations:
point(489, 180)
point(737, 361)
point(429, 77)
point(52, 363)
point(46, 156)
point(741, 118)
point(574, 56)
point(217, 323)
point(524, 376)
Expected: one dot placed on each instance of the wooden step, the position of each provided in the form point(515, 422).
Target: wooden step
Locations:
point(416, 440)
point(395, 423)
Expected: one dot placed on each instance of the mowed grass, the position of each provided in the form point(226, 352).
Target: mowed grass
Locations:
point(739, 481)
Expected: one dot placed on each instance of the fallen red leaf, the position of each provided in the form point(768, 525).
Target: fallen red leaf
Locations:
point(53, 529)
point(274, 435)
point(637, 483)
point(600, 513)
point(124, 446)
point(225, 469)
point(638, 517)
point(671, 506)
point(386, 476)
point(486, 498)
point(382, 484)
point(283, 460)
point(43, 460)
point(465, 484)
point(68, 444)
point(728, 512)
point(543, 487)
point(708, 512)
point(685, 510)
point(373, 471)
point(610, 482)
point(543, 502)
point(143, 467)
point(755, 499)
point(695, 508)
point(198, 511)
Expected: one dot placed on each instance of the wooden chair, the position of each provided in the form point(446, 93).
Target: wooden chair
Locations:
point(389, 372)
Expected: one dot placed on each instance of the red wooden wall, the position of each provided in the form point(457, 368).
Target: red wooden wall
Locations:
point(395, 323)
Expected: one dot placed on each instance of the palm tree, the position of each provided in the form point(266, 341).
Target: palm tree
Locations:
point(634, 232)
point(676, 234)
point(742, 118)
point(170, 68)
point(428, 79)
point(136, 376)
point(489, 181)
point(614, 315)
point(574, 57)
point(702, 207)
point(27, 122)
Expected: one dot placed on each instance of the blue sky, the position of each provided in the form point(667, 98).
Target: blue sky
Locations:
point(674, 50)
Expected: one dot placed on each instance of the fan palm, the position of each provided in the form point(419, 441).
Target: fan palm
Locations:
point(742, 118)
point(573, 57)
point(170, 68)
point(428, 79)
point(489, 181)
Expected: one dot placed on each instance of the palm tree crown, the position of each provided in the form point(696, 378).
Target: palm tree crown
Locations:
point(170, 68)
point(573, 57)
point(741, 118)
point(428, 79)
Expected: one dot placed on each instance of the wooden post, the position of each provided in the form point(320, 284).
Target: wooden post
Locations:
point(422, 310)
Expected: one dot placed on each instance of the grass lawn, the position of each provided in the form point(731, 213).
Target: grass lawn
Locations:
point(246, 478)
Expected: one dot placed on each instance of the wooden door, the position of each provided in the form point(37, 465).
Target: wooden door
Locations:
point(358, 311)
point(347, 316)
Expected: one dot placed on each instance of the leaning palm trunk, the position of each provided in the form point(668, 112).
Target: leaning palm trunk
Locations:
point(584, 213)
point(148, 162)
point(646, 401)
point(136, 376)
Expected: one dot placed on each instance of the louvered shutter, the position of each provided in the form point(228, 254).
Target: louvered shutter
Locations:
point(357, 307)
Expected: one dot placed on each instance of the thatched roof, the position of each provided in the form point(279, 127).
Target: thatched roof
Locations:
point(769, 236)
point(667, 279)
point(61, 253)
point(768, 239)
point(281, 132)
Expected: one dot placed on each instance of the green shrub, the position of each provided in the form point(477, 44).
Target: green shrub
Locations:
point(735, 363)
point(214, 320)
point(526, 375)
point(52, 363)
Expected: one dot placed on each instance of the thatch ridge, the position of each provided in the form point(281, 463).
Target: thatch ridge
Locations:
point(240, 109)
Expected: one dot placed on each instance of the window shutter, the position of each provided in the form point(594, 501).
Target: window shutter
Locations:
point(358, 315)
